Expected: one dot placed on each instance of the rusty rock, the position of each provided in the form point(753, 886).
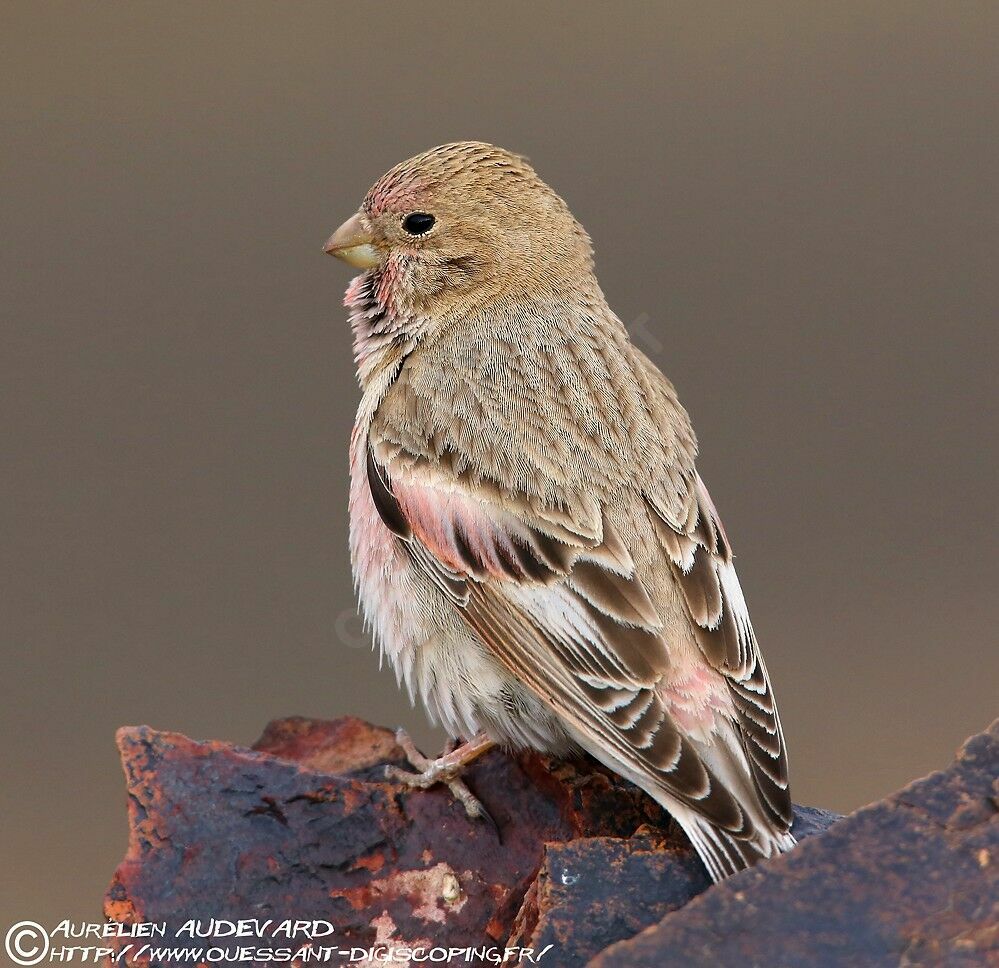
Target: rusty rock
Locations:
point(305, 827)
point(912, 880)
point(591, 892)
point(344, 745)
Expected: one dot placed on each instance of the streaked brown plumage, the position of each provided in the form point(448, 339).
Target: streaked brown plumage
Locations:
point(531, 541)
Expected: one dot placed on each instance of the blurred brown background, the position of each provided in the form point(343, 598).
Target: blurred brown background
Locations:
point(793, 206)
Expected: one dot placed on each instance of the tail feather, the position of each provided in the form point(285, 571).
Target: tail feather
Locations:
point(723, 851)
point(724, 854)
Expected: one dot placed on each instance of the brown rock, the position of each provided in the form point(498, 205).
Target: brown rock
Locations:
point(912, 880)
point(593, 891)
point(304, 827)
point(342, 745)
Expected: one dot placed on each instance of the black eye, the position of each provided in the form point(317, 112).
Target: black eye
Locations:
point(418, 223)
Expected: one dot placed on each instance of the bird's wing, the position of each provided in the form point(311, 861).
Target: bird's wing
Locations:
point(566, 615)
point(701, 558)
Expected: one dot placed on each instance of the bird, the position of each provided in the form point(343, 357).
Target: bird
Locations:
point(532, 546)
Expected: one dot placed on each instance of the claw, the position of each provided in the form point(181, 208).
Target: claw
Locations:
point(445, 769)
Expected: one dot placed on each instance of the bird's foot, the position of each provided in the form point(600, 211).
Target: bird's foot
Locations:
point(446, 769)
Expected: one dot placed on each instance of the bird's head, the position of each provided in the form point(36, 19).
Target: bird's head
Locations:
point(460, 225)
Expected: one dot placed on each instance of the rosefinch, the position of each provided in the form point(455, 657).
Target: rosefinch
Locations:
point(531, 542)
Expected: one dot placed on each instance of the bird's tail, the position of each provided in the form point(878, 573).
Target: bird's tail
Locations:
point(723, 854)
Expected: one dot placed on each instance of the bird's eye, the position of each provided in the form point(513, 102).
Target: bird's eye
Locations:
point(418, 223)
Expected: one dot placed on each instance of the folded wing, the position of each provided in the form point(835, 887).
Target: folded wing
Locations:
point(563, 610)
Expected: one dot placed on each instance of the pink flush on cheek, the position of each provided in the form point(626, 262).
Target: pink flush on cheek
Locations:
point(388, 278)
point(389, 282)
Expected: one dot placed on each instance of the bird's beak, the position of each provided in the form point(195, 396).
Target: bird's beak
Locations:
point(354, 243)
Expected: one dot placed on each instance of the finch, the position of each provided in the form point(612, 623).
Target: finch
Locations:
point(532, 545)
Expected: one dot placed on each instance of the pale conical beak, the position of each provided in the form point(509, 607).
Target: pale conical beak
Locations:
point(354, 243)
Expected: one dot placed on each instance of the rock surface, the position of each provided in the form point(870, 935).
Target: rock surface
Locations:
point(304, 826)
point(593, 891)
point(912, 880)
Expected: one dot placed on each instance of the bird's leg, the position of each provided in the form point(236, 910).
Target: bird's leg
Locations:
point(446, 769)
